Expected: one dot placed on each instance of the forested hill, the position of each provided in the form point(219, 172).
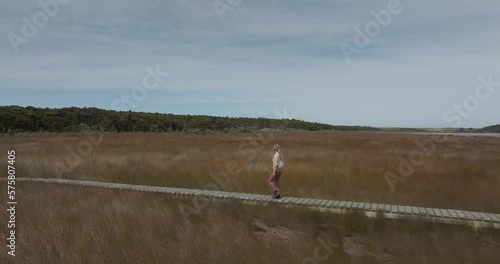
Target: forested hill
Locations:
point(491, 129)
point(74, 119)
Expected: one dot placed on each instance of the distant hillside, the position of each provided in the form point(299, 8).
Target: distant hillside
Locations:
point(74, 119)
point(491, 129)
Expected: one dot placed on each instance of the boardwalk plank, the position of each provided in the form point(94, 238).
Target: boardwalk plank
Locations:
point(421, 211)
point(478, 218)
point(250, 197)
point(254, 197)
point(429, 211)
point(460, 214)
point(266, 199)
point(300, 200)
point(445, 213)
point(485, 217)
point(318, 202)
point(221, 194)
point(468, 215)
point(242, 196)
point(494, 217)
point(453, 213)
point(247, 196)
point(336, 204)
point(229, 194)
point(233, 195)
point(437, 212)
point(315, 202)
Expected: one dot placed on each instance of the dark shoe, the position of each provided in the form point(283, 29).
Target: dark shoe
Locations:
point(277, 195)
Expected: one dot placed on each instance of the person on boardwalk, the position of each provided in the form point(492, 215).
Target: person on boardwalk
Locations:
point(274, 179)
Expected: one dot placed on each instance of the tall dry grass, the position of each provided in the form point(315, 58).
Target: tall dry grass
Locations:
point(462, 173)
point(72, 224)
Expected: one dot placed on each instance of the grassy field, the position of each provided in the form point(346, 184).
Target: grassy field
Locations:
point(71, 224)
point(460, 173)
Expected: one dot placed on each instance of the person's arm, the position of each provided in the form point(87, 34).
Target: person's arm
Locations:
point(275, 161)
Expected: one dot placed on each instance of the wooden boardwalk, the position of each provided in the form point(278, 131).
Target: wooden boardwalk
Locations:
point(447, 216)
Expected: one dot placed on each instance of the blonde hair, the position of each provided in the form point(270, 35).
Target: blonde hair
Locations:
point(276, 147)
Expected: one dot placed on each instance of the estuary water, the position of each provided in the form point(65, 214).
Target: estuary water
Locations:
point(446, 134)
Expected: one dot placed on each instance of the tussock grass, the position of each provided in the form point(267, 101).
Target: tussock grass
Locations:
point(72, 224)
point(462, 173)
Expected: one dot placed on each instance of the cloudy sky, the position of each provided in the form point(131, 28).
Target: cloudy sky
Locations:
point(268, 58)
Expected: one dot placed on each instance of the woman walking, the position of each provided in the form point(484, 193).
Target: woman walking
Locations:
point(274, 179)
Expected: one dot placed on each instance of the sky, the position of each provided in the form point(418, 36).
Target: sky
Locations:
point(418, 63)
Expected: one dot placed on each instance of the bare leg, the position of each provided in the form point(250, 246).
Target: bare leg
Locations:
point(277, 181)
point(271, 181)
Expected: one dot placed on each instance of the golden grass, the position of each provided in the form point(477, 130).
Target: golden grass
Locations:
point(462, 173)
point(72, 224)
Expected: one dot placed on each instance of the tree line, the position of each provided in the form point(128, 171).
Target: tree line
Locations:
point(491, 129)
point(75, 119)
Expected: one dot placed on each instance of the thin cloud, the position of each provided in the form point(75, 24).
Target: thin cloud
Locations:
point(431, 54)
